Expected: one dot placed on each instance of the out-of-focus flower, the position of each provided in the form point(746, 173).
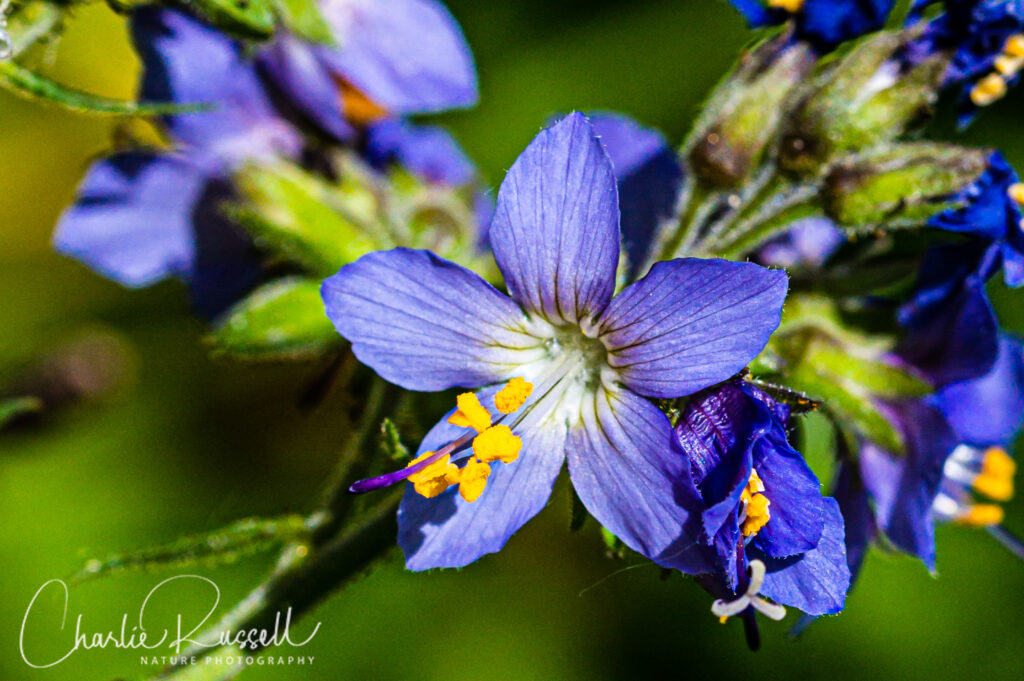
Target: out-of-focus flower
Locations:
point(807, 244)
point(756, 502)
point(986, 38)
point(428, 324)
point(824, 23)
point(393, 58)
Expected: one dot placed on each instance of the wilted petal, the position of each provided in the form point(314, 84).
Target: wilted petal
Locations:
point(555, 231)
point(691, 323)
point(425, 323)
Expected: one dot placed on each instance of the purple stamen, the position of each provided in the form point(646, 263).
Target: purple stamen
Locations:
point(388, 479)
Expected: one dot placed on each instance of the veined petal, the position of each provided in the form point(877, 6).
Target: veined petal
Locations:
point(555, 231)
point(425, 323)
point(448, 531)
point(797, 507)
point(308, 85)
point(817, 581)
point(630, 474)
point(408, 56)
point(132, 220)
point(691, 323)
point(649, 177)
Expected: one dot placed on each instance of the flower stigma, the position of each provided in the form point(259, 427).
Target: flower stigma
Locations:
point(750, 598)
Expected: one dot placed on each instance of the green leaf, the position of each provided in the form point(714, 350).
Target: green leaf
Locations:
point(880, 379)
point(25, 83)
point(226, 545)
point(11, 409)
point(303, 18)
point(305, 219)
point(391, 442)
point(284, 319)
point(253, 19)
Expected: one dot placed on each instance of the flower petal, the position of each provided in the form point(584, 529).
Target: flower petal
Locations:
point(691, 323)
point(649, 177)
point(425, 323)
point(447, 531)
point(292, 66)
point(132, 218)
point(427, 151)
point(188, 62)
point(555, 230)
point(797, 508)
point(630, 474)
point(408, 56)
point(817, 582)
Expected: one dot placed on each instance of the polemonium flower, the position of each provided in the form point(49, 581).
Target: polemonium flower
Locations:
point(579, 362)
point(986, 413)
point(763, 528)
point(392, 58)
point(824, 23)
point(807, 244)
point(141, 216)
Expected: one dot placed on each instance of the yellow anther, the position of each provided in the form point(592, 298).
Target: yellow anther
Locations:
point(996, 478)
point(470, 414)
point(982, 515)
point(435, 478)
point(1016, 192)
point(473, 480)
point(755, 505)
point(989, 89)
point(513, 395)
point(722, 619)
point(1009, 66)
point(358, 108)
point(497, 443)
point(791, 6)
point(1014, 46)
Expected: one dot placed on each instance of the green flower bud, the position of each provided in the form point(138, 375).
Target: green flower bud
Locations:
point(871, 96)
point(899, 186)
point(747, 110)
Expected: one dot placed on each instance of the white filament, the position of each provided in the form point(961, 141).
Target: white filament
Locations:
point(750, 598)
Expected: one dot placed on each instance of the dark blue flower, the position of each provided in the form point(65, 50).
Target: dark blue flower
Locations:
point(591, 357)
point(394, 58)
point(986, 38)
point(824, 23)
point(754, 499)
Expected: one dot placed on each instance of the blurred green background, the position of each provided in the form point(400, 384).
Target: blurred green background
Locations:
point(191, 444)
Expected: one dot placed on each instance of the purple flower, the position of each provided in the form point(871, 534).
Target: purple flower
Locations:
point(807, 244)
point(756, 500)
point(140, 217)
point(824, 23)
point(591, 357)
point(394, 57)
point(429, 152)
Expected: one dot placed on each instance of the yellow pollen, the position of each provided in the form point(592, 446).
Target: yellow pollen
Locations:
point(470, 414)
point(989, 89)
point(513, 395)
point(982, 515)
point(1009, 66)
point(473, 480)
point(358, 108)
point(791, 6)
point(996, 478)
point(435, 478)
point(1016, 192)
point(1014, 46)
point(497, 443)
point(756, 505)
point(722, 619)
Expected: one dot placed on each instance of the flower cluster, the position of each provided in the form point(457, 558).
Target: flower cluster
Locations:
point(619, 309)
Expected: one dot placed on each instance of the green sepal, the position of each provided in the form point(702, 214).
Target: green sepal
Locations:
point(282, 320)
point(900, 185)
point(304, 19)
point(30, 85)
point(305, 219)
point(253, 19)
point(222, 546)
point(18, 406)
